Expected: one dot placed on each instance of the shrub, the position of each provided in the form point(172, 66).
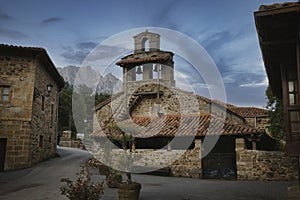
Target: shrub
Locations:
point(82, 188)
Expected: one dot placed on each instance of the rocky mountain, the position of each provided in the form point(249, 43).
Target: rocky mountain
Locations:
point(93, 79)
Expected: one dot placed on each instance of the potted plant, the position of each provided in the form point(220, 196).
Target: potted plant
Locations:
point(113, 178)
point(127, 190)
point(103, 169)
point(82, 187)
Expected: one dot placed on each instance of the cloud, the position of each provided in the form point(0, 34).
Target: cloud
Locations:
point(5, 17)
point(51, 20)
point(9, 33)
point(77, 55)
point(217, 40)
point(86, 45)
point(254, 84)
point(163, 15)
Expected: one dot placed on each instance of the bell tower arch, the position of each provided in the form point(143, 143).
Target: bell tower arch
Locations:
point(146, 41)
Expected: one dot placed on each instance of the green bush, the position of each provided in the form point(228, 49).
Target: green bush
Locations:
point(82, 188)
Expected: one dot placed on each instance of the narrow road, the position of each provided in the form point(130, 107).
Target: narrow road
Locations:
point(42, 181)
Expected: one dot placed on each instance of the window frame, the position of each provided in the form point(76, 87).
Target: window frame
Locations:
point(43, 99)
point(41, 141)
point(51, 115)
point(2, 87)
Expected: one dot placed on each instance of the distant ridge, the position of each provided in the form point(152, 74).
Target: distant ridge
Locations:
point(93, 79)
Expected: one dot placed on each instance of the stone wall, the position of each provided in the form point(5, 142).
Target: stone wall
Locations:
point(67, 141)
point(18, 74)
point(189, 164)
point(251, 164)
point(43, 134)
point(17, 134)
point(15, 116)
point(259, 122)
point(29, 131)
point(184, 163)
point(172, 101)
point(264, 165)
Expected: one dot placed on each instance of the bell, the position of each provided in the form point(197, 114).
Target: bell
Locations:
point(139, 70)
point(156, 68)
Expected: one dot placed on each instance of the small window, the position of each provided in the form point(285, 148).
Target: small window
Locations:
point(51, 115)
point(52, 109)
point(41, 141)
point(5, 93)
point(293, 92)
point(43, 103)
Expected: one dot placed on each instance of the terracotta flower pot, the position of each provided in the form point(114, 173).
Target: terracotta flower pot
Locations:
point(113, 181)
point(129, 191)
point(103, 170)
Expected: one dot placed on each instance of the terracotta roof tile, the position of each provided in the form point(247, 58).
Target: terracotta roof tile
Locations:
point(108, 100)
point(278, 5)
point(7, 46)
point(181, 125)
point(249, 111)
point(226, 105)
point(143, 60)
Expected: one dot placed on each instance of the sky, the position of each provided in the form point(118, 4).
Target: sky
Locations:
point(69, 30)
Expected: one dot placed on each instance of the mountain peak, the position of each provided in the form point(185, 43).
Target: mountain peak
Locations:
point(91, 78)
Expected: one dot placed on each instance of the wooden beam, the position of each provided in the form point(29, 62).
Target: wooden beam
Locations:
point(274, 11)
point(281, 42)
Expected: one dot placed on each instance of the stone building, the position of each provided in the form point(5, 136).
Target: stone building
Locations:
point(152, 104)
point(29, 87)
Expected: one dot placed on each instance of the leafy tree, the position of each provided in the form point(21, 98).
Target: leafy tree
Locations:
point(101, 97)
point(65, 116)
point(276, 121)
point(84, 104)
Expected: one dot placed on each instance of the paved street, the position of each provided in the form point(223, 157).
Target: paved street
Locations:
point(171, 188)
point(43, 181)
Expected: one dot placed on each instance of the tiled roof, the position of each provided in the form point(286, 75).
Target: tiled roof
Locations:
point(108, 100)
point(35, 52)
point(13, 47)
point(226, 105)
point(278, 5)
point(182, 125)
point(155, 59)
point(239, 111)
point(249, 111)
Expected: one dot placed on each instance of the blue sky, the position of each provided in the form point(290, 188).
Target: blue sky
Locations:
point(69, 29)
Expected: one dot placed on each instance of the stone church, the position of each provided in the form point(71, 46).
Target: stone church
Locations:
point(151, 101)
point(29, 86)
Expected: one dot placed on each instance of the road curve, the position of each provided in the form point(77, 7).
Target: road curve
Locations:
point(42, 181)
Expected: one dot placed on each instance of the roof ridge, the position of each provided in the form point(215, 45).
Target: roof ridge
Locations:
point(108, 100)
point(22, 47)
point(203, 124)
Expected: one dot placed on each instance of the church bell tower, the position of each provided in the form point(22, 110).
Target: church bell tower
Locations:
point(148, 64)
point(148, 72)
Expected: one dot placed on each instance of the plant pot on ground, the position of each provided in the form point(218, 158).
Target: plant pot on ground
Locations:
point(129, 191)
point(103, 169)
point(113, 178)
point(123, 132)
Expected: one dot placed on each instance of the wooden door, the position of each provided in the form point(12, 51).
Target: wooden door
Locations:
point(219, 166)
point(2, 153)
